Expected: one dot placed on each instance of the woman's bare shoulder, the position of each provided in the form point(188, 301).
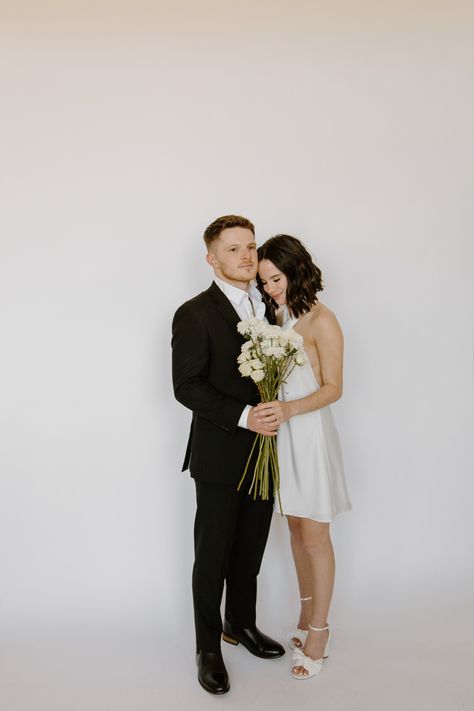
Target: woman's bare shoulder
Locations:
point(322, 319)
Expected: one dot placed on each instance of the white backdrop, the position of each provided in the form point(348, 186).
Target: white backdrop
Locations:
point(125, 131)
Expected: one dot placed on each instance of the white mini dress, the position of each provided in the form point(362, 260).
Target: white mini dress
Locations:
point(312, 483)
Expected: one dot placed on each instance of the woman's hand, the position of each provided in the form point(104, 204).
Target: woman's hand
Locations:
point(274, 412)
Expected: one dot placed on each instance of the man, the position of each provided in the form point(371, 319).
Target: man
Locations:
point(231, 528)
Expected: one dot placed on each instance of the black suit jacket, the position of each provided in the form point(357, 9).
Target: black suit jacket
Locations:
point(206, 379)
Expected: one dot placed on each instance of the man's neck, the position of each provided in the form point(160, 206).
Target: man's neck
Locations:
point(244, 285)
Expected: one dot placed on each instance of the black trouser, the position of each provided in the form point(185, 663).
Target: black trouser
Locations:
point(230, 533)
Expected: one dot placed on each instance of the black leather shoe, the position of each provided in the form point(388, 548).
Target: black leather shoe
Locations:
point(212, 674)
point(256, 642)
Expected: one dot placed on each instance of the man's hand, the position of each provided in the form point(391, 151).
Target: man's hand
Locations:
point(261, 424)
point(272, 413)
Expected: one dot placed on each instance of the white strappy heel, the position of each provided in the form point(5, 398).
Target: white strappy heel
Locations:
point(298, 633)
point(312, 666)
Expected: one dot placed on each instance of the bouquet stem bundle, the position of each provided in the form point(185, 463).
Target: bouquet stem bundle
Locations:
point(266, 466)
point(268, 357)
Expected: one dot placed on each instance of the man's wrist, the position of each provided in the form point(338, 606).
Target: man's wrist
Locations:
point(244, 417)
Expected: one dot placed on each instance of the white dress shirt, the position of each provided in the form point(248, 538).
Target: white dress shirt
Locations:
point(247, 305)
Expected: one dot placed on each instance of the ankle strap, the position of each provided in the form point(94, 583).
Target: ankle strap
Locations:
point(318, 629)
point(305, 599)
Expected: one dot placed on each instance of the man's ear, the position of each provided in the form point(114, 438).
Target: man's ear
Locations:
point(211, 259)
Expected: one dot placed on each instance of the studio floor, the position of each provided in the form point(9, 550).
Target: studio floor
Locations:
point(415, 659)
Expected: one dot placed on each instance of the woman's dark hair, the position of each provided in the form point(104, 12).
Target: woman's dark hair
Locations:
point(290, 256)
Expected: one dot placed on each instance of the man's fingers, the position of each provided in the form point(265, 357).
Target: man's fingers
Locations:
point(269, 430)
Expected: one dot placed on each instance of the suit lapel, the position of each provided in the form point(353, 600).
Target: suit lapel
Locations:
point(224, 306)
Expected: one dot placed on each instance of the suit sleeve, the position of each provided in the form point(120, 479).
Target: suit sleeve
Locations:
point(191, 353)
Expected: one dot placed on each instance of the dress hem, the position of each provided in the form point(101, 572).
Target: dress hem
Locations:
point(312, 518)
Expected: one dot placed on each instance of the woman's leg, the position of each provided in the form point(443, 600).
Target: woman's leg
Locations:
point(315, 566)
point(303, 573)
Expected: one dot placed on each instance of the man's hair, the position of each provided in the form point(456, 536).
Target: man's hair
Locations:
point(292, 258)
point(224, 223)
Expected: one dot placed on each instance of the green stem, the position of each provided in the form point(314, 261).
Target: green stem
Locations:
point(248, 461)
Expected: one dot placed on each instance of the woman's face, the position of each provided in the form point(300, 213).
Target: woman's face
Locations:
point(273, 280)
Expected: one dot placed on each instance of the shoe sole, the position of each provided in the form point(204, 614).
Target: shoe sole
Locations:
point(235, 642)
point(215, 693)
point(230, 640)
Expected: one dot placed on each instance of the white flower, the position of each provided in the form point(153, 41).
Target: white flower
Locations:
point(246, 369)
point(247, 353)
point(284, 338)
point(293, 337)
point(251, 327)
point(275, 351)
point(257, 375)
point(300, 358)
point(259, 327)
point(245, 327)
point(256, 364)
point(271, 331)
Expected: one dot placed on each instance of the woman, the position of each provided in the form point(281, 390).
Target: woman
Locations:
point(312, 487)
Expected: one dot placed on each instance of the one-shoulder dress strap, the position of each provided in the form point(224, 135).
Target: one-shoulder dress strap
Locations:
point(292, 321)
point(287, 320)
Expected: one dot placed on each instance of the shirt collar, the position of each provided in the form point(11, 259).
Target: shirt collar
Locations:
point(254, 292)
point(235, 294)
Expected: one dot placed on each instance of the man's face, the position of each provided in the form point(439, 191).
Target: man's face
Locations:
point(233, 256)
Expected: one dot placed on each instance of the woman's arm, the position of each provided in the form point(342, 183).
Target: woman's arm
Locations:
point(326, 335)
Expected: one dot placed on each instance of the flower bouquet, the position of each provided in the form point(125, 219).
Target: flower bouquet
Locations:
point(268, 356)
